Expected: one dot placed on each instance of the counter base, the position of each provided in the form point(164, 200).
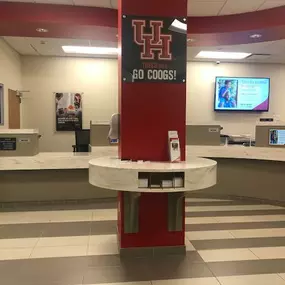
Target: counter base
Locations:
point(152, 251)
point(48, 186)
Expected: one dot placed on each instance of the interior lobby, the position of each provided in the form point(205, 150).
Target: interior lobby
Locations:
point(141, 142)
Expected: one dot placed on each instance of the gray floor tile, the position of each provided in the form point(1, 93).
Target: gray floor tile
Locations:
point(238, 243)
point(70, 263)
point(173, 268)
point(103, 260)
point(58, 229)
point(48, 274)
point(194, 256)
point(222, 203)
point(67, 229)
point(247, 267)
point(22, 230)
point(103, 227)
point(235, 226)
point(235, 213)
point(126, 272)
point(55, 206)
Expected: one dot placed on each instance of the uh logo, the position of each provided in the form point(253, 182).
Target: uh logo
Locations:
point(153, 44)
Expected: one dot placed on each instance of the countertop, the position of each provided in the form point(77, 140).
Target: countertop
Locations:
point(114, 174)
point(18, 131)
point(238, 152)
point(115, 163)
point(69, 160)
point(54, 160)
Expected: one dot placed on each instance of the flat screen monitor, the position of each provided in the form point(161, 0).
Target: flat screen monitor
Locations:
point(276, 137)
point(242, 94)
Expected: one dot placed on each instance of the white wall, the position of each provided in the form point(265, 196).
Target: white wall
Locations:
point(10, 74)
point(200, 94)
point(97, 78)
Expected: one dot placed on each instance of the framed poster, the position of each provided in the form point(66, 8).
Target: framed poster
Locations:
point(156, 49)
point(1, 104)
point(68, 111)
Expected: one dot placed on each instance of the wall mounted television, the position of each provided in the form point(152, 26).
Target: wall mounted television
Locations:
point(242, 94)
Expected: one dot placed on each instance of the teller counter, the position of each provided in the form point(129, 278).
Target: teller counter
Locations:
point(48, 177)
point(253, 172)
point(242, 171)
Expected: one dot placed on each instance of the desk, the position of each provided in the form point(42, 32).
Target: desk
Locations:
point(242, 171)
point(19, 142)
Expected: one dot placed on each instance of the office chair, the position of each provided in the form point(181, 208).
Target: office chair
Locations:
point(82, 141)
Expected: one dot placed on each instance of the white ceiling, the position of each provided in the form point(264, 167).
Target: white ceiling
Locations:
point(195, 7)
point(52, 47)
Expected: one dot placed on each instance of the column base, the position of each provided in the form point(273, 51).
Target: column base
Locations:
point(152, 251)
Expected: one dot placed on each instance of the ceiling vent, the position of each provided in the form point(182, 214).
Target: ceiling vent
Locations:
point(256, 56)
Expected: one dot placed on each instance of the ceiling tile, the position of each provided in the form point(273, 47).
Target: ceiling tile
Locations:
point(272, 4)
point(204, 8)
point(53, 47)
point(103, 44)
point(93, 3)
point(21, 45)
point(240, 6)
point(114, 4)
point(61, 2)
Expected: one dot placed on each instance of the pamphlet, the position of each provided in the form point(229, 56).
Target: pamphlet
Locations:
point(174, 146)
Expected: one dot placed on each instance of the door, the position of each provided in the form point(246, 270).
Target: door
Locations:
point(14, 109)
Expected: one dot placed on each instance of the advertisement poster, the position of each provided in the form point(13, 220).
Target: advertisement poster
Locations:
point(1, 104)
point(68, 111)
point(243, 94)
point(155, 49)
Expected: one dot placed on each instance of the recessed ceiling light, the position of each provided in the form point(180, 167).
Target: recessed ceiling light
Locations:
point(255, 36)
point(90, 50)
point(41, 30)
point(222, 55)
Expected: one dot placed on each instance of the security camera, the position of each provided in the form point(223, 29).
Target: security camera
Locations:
point(218, 62)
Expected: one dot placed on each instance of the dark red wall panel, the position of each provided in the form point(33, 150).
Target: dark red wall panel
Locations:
point(148, 112)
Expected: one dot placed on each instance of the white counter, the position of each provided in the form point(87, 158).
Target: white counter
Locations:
point(18, 131)
point(238, 152)
point(53, 160)
point(114, 174)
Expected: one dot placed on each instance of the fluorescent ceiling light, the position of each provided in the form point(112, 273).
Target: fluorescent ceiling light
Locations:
point(90, 50)
point(179, 25)
point(222, 55)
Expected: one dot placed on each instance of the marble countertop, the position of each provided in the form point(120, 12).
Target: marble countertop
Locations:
point(114, 162)
point(69, 160)
point(238, 152)
point(18, 131)
point(114, 174)
point(46, 160)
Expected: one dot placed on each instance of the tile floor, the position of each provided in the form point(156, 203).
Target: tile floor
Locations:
point(228, 243)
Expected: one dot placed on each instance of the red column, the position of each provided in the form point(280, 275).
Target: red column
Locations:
point(152, 101)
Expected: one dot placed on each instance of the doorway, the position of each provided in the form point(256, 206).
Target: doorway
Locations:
point(14, 109)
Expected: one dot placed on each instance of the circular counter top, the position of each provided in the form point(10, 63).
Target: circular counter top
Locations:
point(112, 173)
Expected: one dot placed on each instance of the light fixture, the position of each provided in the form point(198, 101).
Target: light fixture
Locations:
point(179, 25)
point(255, 36)
point(41, 30)
point(90, 50)
point(222, 55)
point(191, 40)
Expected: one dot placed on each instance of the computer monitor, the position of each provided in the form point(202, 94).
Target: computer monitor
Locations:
point(276, 137)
